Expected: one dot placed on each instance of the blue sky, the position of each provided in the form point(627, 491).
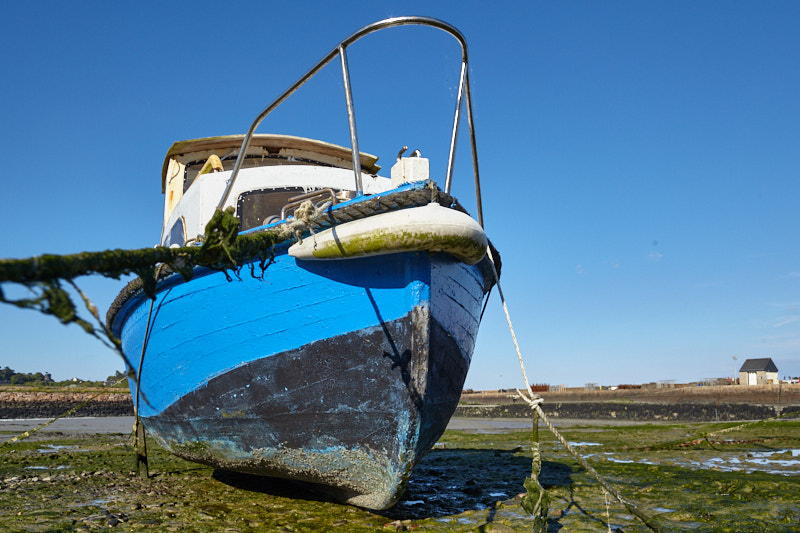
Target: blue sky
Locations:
point(640, 161)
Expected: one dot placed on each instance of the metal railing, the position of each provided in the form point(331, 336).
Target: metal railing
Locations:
point(340, 50)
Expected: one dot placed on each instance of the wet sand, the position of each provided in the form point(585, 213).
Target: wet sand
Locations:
point(72, 426)
point(124, 424)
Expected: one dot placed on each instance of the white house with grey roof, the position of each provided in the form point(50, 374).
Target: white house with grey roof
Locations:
point(758, 372)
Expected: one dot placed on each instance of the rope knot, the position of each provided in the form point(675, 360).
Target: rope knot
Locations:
point(305, 217)
point(534, 400)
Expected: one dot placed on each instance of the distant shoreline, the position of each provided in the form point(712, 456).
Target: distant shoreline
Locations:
point(702, 404)
point(691, 404)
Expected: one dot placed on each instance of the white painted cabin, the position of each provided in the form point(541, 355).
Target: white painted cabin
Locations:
point(276, 168)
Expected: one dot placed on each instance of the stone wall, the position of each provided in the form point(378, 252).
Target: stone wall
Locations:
point(694, 412)
point(781, 394)
point(50, 405)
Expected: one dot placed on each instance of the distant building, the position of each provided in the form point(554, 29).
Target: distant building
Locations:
point(758, 372)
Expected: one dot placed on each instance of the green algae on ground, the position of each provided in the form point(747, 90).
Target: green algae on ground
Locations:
point(469, 482)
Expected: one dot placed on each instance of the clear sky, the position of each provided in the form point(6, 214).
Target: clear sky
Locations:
point(640, 161)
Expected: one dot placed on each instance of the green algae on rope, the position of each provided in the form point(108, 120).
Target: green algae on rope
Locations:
point(536, 501)
point(222, 248)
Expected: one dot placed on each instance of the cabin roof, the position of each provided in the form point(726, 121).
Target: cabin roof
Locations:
point(759, 365)
point(270, 142)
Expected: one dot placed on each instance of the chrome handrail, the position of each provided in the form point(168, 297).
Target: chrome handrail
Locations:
point(463, 93)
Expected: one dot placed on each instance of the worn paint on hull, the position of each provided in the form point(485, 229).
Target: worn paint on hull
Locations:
point(351, 409)
point(354, 412)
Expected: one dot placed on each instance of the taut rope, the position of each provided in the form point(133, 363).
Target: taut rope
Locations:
point(535, 402)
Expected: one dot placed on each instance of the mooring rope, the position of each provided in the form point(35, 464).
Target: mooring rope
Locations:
point(535, 401)
point(139, 436)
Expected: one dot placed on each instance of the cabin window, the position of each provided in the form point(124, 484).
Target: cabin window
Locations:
point(177, 234)
point(251, 161)
point(263, 206)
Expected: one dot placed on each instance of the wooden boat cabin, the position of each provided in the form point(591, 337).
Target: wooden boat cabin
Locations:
point(277, 169)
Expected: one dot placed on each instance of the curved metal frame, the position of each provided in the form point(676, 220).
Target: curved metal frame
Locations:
point(463, 94)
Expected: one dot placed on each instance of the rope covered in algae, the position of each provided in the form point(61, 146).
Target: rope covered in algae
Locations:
point(222, 246)
point(534, 401)
point(42, 275)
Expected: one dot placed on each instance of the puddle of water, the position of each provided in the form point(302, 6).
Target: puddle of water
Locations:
point(584, 444)
point(621, 461)
point(52, 448)
point(97, 502)
point(770, 462)
point(778, 456)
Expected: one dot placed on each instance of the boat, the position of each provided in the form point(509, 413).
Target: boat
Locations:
point(340, 363)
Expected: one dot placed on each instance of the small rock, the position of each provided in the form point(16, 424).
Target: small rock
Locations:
point(339, 523)
point(397, 525)
point(471, 487)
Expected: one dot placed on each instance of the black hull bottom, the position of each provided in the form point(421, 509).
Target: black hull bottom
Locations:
point(352, 413)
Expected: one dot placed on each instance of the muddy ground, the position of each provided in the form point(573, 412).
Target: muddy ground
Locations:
point(745, 480)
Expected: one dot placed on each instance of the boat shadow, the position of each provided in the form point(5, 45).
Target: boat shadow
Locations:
point(446, 482)
point(452, 481)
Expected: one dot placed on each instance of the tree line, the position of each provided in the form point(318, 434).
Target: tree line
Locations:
point(12, 377)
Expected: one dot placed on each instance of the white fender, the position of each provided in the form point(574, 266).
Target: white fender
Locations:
point(431, 228)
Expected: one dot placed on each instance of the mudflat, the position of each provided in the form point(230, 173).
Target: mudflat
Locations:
point(689, 476)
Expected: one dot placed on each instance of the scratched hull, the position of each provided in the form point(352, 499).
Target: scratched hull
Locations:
point(338, 373)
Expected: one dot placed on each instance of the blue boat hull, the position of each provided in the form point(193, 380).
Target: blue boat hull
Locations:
point(338, 373)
